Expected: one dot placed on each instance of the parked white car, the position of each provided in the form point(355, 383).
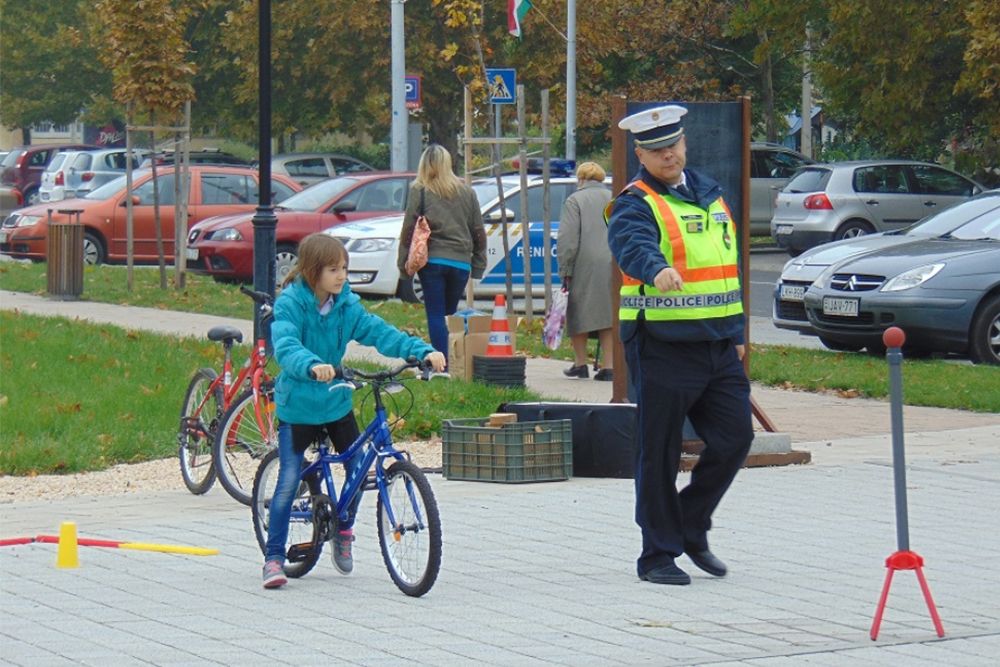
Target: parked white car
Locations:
point(373, 243)
point(73, 174)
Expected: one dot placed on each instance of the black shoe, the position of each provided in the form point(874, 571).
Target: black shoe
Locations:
point(605, 375)
point(577, 371)
point(667, 574)
point(707, 561)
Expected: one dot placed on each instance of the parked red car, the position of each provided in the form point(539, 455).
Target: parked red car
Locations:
point(222, 247)
point(213, 191)
point(22, 167)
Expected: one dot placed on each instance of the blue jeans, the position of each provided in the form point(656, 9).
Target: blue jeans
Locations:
point(290, 457)
point(443, 287)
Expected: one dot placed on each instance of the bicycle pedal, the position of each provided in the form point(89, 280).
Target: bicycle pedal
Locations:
point(300, 552)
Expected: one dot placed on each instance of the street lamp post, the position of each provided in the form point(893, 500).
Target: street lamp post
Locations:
point(264, 220)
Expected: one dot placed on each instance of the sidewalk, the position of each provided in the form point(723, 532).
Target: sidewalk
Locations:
point(543, 574)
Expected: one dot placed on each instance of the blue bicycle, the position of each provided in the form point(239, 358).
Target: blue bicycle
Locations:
point(409, 525)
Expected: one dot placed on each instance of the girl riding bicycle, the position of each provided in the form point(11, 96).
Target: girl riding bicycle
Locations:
point(315, 317)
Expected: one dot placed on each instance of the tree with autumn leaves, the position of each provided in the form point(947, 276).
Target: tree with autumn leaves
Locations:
point(906, 82)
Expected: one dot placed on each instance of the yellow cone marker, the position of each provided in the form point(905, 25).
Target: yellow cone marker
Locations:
point(68, 555)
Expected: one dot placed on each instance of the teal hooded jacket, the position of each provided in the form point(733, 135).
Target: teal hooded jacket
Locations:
point(302, 338)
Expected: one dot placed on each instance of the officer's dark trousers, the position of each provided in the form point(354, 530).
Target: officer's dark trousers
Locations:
point(706, 382)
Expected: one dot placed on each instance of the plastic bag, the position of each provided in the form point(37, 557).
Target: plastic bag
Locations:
point(555, 320)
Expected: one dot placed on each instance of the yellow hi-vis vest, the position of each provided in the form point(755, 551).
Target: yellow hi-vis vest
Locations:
point(701, 246)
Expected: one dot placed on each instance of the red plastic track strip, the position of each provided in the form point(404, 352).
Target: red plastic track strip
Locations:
point(83, 541)
point(14, 541)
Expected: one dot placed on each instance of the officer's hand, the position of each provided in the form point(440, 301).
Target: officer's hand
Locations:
point(436, 360)
point(741, 351)
point(668, 280)
point(323, 372)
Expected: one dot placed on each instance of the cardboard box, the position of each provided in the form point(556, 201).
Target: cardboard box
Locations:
point(466, 341)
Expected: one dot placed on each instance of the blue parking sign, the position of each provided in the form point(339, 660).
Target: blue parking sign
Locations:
point(412, 90)
point(502, 85)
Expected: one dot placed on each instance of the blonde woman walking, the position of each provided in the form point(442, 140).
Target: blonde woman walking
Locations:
point(457, 246)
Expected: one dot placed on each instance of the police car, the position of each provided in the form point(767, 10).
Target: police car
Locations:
point(373, 243)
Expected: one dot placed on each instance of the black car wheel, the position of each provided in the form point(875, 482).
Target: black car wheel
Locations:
point(284, 261)
point(93, 250)
point(852, 229)
point(984, 337)
point(410, 290)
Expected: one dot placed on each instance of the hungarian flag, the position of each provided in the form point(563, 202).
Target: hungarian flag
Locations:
point(516, 9)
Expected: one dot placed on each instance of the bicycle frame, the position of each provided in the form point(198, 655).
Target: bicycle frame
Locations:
point(253, 370)
point(377, 441)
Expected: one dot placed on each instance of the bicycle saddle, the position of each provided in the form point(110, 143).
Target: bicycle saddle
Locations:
point(225, 333)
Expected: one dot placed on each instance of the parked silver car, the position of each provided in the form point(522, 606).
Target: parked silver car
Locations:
point(771, 165)
point(76, 173)
point(838, 200)
point(309, 168)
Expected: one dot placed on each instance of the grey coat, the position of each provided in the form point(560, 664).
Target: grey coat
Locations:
point(584, 257)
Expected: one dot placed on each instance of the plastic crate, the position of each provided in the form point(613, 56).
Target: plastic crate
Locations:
point(535, 451)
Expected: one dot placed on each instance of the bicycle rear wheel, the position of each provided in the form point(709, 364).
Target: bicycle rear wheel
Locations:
point(200, 415)
point(301, 528)
point(411, 547)
point(248, 431)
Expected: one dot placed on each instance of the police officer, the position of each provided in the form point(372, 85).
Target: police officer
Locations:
point(682, 326)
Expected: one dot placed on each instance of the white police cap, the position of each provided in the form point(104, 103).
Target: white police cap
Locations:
point(655, 128)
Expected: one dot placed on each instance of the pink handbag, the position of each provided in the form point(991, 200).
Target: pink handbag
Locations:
point(416, 258)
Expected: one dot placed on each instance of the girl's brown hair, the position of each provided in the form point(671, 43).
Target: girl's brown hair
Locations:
point(316, 252)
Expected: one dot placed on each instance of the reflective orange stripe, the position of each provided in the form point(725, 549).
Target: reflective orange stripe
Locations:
point(629, 280)
point(673, 231)
point(712, 273)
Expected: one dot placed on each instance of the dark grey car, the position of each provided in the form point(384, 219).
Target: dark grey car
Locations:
point(800, 272)
point(944, 292)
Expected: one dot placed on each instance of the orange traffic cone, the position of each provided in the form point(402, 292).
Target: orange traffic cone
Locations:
point(499, 344)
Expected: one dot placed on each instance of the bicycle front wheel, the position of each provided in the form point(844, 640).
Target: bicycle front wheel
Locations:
point(200, 415)
point(301, 526)
point(248, 431)
point(409, 529)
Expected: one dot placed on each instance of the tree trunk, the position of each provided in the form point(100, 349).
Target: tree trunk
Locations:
point(443, 129)
point(156, 206)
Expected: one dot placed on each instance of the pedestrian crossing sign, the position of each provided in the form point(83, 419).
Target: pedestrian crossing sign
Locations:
point(501, 84)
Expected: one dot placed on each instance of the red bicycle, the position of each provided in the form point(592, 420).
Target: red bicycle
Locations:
point(228, 424)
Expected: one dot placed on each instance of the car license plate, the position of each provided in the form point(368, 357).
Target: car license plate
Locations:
point(782, 229)
point(792, 292)
point(837, 306)
point(192, 253)
point(3, 237)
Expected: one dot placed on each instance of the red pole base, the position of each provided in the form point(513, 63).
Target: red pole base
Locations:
point(905, 560)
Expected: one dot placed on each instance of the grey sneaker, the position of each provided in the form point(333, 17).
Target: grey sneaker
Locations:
point(274, 575)
point(342, 558)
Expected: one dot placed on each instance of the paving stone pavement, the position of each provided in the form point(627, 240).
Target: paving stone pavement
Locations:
point(543, 574)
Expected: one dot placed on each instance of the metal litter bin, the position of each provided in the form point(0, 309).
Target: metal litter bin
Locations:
point(65, 257)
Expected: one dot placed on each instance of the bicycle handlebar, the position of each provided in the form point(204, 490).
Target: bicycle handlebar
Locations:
point(349, 374)
point(263, 299)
